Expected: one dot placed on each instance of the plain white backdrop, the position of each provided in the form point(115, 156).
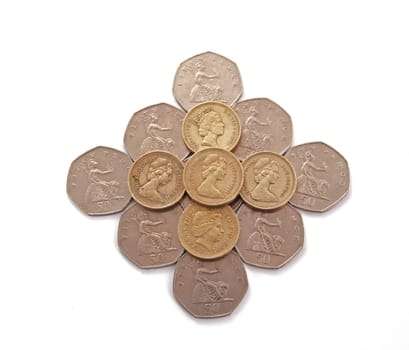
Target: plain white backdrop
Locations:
point(71, 76)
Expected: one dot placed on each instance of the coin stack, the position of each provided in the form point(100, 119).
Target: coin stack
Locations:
point(241, 176)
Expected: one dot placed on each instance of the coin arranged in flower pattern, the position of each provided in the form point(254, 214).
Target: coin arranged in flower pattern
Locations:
point(100, 180)
point(213, 177)
point(269, 239)
point(207, 77)
point(210, 288)
point(322, 176)
point(211, 124)
point(156, 180)
point(149, 238)
point(157, 127)
point(97, 181)
point(266, 127)
point(208, 233)
point(269, 180)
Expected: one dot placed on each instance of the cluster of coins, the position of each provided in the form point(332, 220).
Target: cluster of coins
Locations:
point(228, 158)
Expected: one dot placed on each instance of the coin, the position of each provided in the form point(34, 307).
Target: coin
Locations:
point(156, 180)
point(208, 233)
point(207, 77)
point(269, 180)
point(97, 181)
point(269, 239)
point(210, 288)
point(157, 127)
point(322, 176)
point(266, 127)
point(211, 124)
point(149, 238)
point(213, 176)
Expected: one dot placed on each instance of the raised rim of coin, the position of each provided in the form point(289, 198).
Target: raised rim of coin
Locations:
point(244, 193)
point(145, 203)
point(188, 121)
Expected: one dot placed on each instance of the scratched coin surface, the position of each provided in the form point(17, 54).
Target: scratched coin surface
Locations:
point(207, 77)
point(322, 176)
point(149, 238)
point(213, 176)
point(269, 239)
point(210, 288)
point(269, 180)
point(97, 181)
point(266, 127)
point(206, 232)
point(211, 124)
point(156, 180)
point(157, 127)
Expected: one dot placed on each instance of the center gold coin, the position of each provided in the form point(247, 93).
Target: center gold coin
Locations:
point(213, 176)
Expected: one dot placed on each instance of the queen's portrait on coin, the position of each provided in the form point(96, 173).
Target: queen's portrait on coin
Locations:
point(211, 126)
point(159, 174)
point(213, 169)
point(207, 228)
point(266, 173)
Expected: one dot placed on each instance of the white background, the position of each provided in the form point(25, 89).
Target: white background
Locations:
point(72, 74)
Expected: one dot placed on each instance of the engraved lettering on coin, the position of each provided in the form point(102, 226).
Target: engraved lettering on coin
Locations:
point(156, 127)
point(269, 239)
point(210, 288)
point(266, 127)
point(207, 77)
point(269, 180)
point(211, 124)
point(149, 239)
point(322, 176)
point(155, 180)
point(208, 232)
point(213, 177)
point(97, 182)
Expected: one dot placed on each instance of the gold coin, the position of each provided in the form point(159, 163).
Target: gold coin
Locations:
point(208, 233)
point(213, 176)
point(156, 180)
point(211, 124)
point(269, 180)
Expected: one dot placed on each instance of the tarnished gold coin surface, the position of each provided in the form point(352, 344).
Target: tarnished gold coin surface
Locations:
point(213, 176)
point(211, 124)
point(208, 233)
point(269, 180)
point(156, 180)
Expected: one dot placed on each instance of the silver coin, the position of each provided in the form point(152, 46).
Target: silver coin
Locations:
point(207, 77)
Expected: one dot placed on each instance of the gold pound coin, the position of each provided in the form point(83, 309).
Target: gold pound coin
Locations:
point(269, 180)
point(211, 124)
point(156, 180)
point(208, 233)
point(213, 177)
